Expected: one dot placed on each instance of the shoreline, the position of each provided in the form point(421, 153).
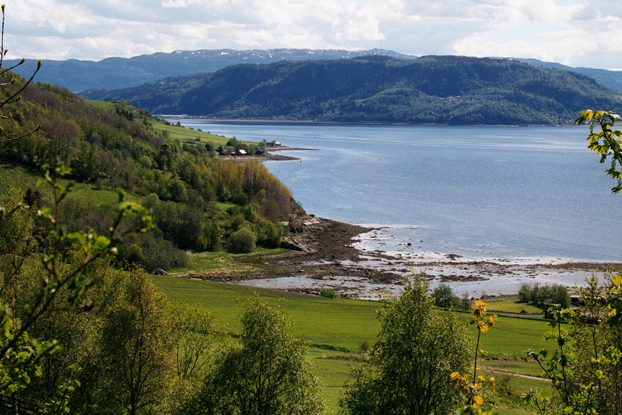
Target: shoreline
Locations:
point(328, 255)
point(269, 156)
point(344, 123)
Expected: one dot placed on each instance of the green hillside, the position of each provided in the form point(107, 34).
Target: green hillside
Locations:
point(428, 90)
point(199, 201)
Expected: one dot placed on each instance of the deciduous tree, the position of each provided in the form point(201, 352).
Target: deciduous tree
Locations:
point(409, 369)
point(267, 374)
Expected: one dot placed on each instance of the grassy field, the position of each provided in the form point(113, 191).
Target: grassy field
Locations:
point(333, 368)
point(187, 134)
point(510, 388)
point(348, 324)
point(343, 323)
point(242, 265)
point(510, 306)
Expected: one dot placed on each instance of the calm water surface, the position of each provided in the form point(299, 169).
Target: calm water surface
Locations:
point(481, 192)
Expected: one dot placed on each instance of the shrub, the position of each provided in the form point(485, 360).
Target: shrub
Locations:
point(250, 214)
point(160, 253)
point(560, 295)
point(243, 241)
point(269, 234)
point(328, 293)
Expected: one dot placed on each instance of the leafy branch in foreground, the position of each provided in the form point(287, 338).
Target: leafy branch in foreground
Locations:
point(584, 369)
point(606, 142)
point(14, 97)
point(557, 366)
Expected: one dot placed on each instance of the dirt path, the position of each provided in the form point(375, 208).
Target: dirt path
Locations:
point(508, 372)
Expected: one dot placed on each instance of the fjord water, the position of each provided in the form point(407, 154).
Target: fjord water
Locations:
point(481, 192)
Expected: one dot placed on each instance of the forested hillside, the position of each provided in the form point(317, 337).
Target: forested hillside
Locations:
point(427, 90)
point(198, 201)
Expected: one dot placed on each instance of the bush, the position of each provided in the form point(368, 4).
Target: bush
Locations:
point(269, 234)
point(250, 214)
point(243, 241)
point(560, 295)
point(160, 253)
point(328, 293)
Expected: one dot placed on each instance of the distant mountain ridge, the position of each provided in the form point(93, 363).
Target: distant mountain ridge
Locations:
point(114, 73)
point(612, 79)
point(426, 90)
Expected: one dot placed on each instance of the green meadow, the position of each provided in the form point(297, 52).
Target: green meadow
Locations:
point(187, 134)
point(338, 331)
point(510, 306)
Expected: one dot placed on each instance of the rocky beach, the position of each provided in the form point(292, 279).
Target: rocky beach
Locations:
point(331, 254)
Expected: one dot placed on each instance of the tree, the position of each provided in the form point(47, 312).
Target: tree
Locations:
point(444, 296)
point(63, 282)
point(195, 332)
point(267, 374)
point(409, 369)
point(137, 348)
point(585, 367)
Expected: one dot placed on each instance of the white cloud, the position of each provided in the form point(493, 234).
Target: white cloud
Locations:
point(568, 31)
point(174, 3)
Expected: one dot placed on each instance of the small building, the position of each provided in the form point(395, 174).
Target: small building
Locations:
point(241, 152)
point(224, 153)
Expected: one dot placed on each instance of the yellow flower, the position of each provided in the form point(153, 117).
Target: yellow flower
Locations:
point(481, 326)
point(478, 400)
point(480, 310)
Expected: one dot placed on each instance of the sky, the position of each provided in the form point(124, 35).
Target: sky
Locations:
point(577, 33)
